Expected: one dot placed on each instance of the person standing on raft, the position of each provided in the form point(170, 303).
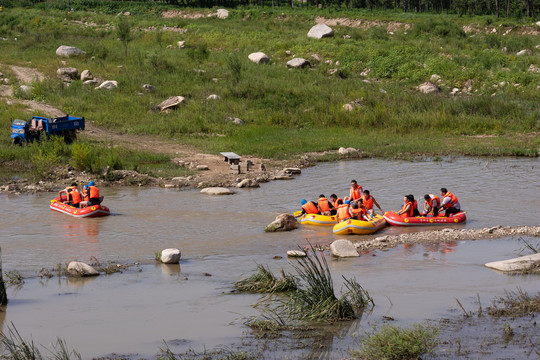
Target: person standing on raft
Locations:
point(449, 203)
point(356, 191)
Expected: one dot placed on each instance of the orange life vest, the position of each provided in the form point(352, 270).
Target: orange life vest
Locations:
point(94, 192)
point(433, 197)
point(411, 209)
point(309, 207)
point(323, 204)
point(368, 203)
point(359, 212)
point(453, 199)
point(335, 203)
point(85, 195)
point(343, 212)
point(356, 192)
point(75, 197)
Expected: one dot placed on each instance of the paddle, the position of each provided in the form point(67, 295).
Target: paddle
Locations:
point(297, 213)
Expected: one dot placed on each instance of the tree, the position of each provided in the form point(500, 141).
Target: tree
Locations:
point(123, 30)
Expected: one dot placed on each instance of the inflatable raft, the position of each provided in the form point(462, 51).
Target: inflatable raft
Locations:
point(89, 211)
point(317, 219)
point(359, 227)
point(394, 219)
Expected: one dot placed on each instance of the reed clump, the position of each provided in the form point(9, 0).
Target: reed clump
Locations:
point(514, 304)
point(263, 281)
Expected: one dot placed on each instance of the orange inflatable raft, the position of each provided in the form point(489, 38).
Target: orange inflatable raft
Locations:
point(89, 211)
point(393, 218)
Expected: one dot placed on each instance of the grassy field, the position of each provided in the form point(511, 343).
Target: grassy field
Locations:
point(286, 111)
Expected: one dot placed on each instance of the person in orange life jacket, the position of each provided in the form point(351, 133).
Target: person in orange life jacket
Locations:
point(324, 205)
point(335, 202)
point(410, 208)
point(73, 195)
point(93, 194)
point(66, 192)
point(309, 207)
point(343, 211)
point(368, 202)
point(449, 202)
point(431, 206)
point(85, 196)
point(356, 191)
point(359, 211)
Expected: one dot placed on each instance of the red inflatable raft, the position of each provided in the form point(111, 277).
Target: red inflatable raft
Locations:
point(89, 211)
point(394, 219)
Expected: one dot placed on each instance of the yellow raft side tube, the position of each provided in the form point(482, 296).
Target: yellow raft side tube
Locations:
point(359, 227)
point(317, 219)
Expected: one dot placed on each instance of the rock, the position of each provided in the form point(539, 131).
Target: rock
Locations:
point(428, 88)
point(108, 85)
point(296, 253)
point(170, 256)
point(222, 13)
point(149, 88)
point(171, 103)
point(282, 177)
point(249, 183)
point(365, 72)
point(533, 68)
point(343, 248)
point(213, 97)
point(69, 71)
point(90, 82)
point(86, 75)
point(292, 171)
point(538, 23)
point(348, 107)
point(434, 78)
point(316, 57)
point(68, 51)
point(259, 58)
point(523, 263)
point(180, 178)
point(235, 121)
point(202, 167)
point(283, 222)
point(181, 44)
point(297, 63)
point(454, 91)
point(347, 151)
point(320, 31)
point(26, 89)
point(523, 52)
point(76, 268)
point(217, 191)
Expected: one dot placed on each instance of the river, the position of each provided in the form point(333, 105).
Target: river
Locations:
point(222, 240)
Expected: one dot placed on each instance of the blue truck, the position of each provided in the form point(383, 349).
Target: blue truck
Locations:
point(37, 127)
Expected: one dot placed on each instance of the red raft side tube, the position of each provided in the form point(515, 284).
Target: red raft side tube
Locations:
point(393, 218)
point(89, 211)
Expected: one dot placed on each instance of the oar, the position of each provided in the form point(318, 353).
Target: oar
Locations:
point(297, 213)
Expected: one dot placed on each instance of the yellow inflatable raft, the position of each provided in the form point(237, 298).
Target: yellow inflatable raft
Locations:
point(318, 219)
point(359, 227)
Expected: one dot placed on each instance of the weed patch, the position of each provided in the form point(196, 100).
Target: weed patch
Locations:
point(263, 281)
point(514, 304)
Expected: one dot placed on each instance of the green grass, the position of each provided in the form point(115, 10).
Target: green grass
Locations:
point(287, 112)
point(263, 281)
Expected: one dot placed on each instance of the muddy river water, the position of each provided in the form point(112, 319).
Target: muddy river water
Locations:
point(135, 311)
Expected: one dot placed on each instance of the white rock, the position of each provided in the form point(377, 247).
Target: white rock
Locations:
point(518, 264)
point(181, 44)
point(69, 71)
point(538, 23)
point(90, 82)
point(297, 63)
point(523, 52)
point(348, 107)
point(296, 253)
point(347, 151)
point(292, 171)
point(108, 85)
point(67, 51)
point(235, 121)
point(76, 268)
point(534, 68)
point(203, 167)
point(170, 256)
point(343, 248)
point(247, 183)
point(320, 31)
point(149, 88)
point(86, 75)
point(26, 89)
point(171, 103)
point(217, 191)
point(259, 58)
point(434, 78)
point(222, 13)
point(213, 97)
point(428, 88)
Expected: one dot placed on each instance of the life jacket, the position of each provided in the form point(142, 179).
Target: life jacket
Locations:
point(343, 212)
point(309, 207)
point(453, 199)
point(323, 204)
point(359, 213)
point(94, 192)
point(85, 195)
point(409, 213)
point(368, 203)
point(75, 197)
point(335, 203)
point(356, 193)
point(433, 197)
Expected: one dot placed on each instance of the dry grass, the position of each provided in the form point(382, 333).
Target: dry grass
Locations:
point(514, 304)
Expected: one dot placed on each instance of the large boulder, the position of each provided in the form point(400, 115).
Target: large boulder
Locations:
point(259, 58)
point(298, 63)
point(248, 183)
point(170, 256)
point(320, 31)
point(523, 263)
point(86, 75)
point(429, 88)
point(343, 248)
point(222, 13)
point(171, 103)
point(108, 85)
point(68, 51)
point(217, 191)
point(77, 268)
point(283, 222)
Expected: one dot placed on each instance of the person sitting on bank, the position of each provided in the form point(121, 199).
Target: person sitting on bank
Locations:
point(343, 211)
point(308, 207)
point(449, 203)
point(431, 206)
point(368, 202)
point(359, 211)
point(410, 207)
point(93, 194)
point(325, 207)
point(356, 191)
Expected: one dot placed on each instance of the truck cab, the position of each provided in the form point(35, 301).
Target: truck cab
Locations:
point(19, 130)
